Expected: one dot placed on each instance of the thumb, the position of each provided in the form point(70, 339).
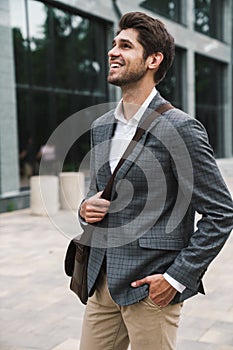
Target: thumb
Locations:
point(139, 283)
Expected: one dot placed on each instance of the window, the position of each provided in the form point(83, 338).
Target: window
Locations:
point(209, 17)
point(171, 87)
point(61, 68)
point(167, 8)
point(209, 99)
point(20, 40)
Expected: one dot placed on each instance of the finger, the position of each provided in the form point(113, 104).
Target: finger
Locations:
point(162, 299)
point(93, 220)
point(161, 303)
point(98, 195)
point(96, 209)
point(141, 282)
point(96, 215)
point(99, 203)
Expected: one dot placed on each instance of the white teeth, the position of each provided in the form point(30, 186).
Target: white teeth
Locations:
point(115, 65)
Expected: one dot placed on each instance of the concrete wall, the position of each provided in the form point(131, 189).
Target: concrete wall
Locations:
point(9, 169)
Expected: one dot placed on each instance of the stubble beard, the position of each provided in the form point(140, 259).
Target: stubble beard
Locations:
point(128, 78)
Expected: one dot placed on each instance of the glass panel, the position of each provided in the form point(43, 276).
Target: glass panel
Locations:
point(19, 31)
point(167, 8)
point(40, 43)
point(78, 151)
point(209, 17)
point(27, 148)
point(209, 99)
point(63, 106)
point(35, 124)
point(63, 66)
point(89, 55)
point(44, 117)
point(171, 87)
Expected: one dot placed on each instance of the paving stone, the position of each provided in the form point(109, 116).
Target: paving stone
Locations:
point(192, 345)
point(192, 328)
point(218, 336)
point(69, 344)
point(6, 347)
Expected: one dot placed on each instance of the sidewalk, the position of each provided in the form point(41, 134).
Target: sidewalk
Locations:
point(38, 312)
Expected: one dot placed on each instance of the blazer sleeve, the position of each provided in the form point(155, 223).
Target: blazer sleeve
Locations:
point(210, 198)
point(92, 187)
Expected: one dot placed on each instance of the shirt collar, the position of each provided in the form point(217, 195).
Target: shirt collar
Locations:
point(119, 115)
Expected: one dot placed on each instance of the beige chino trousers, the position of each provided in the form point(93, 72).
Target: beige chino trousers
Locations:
point(109, 326)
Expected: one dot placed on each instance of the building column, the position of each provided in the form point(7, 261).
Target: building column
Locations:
point(191, 84)
point(228, 117)
point(9, 167)
point(228, 86)
point(191, 88)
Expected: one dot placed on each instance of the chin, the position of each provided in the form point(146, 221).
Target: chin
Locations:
point(114, 82)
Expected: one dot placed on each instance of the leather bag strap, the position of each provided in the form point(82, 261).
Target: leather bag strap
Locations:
point(137, 136)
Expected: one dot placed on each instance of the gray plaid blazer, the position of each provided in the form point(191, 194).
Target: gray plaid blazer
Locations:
point(170, 175)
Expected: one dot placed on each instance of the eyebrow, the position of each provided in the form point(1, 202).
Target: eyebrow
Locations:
point(123, 41)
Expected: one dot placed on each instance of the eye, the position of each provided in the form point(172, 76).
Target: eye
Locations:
point(126, 45)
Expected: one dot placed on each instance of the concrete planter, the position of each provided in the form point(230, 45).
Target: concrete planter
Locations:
point(44, 195)
point(72, 186)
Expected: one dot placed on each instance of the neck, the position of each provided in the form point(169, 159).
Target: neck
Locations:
point(133, 98)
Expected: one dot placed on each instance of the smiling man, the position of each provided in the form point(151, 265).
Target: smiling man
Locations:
point(146, 257)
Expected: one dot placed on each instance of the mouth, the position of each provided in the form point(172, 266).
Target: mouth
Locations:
point(115, 66)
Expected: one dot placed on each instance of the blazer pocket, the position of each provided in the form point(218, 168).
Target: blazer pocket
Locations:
point(161, 244)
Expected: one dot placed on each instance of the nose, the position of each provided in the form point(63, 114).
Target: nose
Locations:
point(113, 52)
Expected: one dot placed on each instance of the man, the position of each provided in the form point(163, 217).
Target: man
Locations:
point(146, 257)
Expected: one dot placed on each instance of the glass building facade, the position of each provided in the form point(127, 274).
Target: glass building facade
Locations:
point(167, 8)
point(209, 99)
point(56, 64)
point(209, 17)
point(171, 86)
point(60, 68)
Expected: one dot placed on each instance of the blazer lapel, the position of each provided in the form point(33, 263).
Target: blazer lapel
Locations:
point(157, 101)
point(102, 154)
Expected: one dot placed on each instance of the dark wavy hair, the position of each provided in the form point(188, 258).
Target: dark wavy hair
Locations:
point(153, 36)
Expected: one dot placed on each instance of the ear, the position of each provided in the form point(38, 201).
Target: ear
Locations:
point(154, 60)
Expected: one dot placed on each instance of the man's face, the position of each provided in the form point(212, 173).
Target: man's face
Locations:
point(126, 61)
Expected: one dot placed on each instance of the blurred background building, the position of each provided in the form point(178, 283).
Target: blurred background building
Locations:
point(53, 63)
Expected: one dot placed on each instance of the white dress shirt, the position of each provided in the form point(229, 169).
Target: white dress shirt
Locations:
point(124, 133)
point(125, 130)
